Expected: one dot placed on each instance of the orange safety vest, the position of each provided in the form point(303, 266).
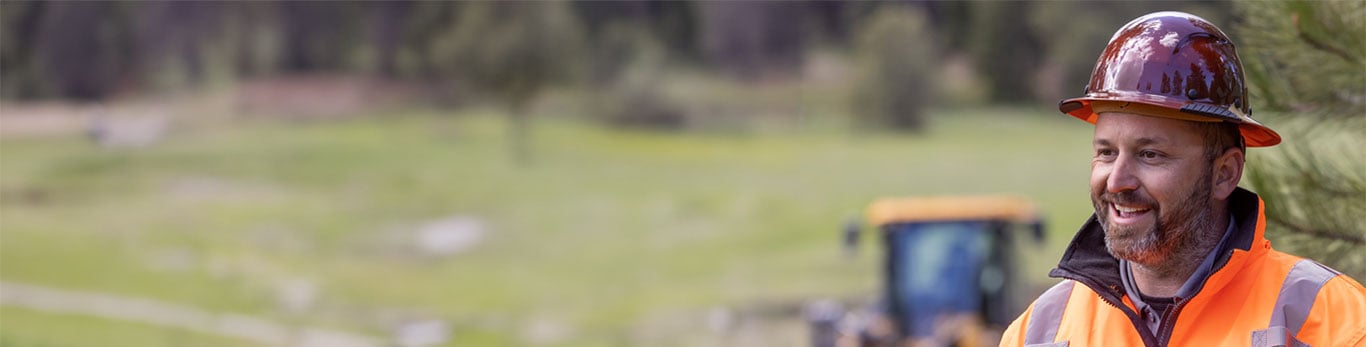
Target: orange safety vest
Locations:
point(1254, 296)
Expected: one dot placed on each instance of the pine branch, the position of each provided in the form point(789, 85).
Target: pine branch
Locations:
point(1316, 42)
point(1323, 46)
point(1319, 233)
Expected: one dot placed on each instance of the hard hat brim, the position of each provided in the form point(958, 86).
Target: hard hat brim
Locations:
point(1088, 108)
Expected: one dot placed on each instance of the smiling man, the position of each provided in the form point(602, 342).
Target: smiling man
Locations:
point(1175, 253)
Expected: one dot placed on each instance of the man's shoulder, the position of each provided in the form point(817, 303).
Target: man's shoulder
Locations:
point(1320, 291)
point(1303, 268)
point(1341, 282)
point(1337, 312)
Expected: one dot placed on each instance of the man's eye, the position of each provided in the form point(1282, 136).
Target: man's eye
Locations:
point(1148, 154)
point(1105, 152)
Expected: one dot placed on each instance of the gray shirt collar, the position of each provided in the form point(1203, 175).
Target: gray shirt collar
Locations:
point(1188, 289)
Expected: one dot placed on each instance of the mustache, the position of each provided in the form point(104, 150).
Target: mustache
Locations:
point(1127, 197)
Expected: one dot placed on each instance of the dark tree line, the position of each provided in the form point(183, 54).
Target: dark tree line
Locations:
point(90, 50)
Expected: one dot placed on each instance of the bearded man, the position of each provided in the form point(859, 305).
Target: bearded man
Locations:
point(1175, 253)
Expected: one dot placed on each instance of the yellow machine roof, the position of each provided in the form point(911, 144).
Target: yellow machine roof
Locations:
point(948, 208)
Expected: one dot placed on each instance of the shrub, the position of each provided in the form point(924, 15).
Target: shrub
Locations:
point(896, 54)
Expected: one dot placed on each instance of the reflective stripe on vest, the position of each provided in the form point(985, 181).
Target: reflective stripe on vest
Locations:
point(1046, 316)
point(1293, 303)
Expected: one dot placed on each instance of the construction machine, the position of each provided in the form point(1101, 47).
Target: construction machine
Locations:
point(949, 273)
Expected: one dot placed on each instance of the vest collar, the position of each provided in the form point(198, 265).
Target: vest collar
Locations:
point(1087, 261)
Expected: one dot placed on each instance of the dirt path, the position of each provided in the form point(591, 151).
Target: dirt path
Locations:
point(170, 315)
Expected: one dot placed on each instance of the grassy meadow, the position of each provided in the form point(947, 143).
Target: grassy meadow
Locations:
point(607, 237)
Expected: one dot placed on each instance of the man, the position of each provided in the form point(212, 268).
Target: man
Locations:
point(1175, 253)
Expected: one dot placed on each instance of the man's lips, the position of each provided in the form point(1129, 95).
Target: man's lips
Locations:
point(1124, 214)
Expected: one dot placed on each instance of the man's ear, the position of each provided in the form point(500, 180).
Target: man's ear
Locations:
point(1228, 171)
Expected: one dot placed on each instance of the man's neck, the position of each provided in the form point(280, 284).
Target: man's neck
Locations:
point(1157, 282)
point(1165, 278)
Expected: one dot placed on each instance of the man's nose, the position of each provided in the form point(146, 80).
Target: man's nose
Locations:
point(1121, 176)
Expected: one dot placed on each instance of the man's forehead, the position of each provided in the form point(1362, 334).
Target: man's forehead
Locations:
point(1120, 127)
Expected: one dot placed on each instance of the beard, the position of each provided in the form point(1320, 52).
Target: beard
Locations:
point(1180, 230)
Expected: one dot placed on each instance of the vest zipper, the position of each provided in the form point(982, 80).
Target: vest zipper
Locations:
point(1169, 320)
point(1107, 296)
point(1164, 332)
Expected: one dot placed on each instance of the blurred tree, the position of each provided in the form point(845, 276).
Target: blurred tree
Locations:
point(619, 48)
point(628, 66)
point(619, 33)
point(1007, 52)
point(597, 16)
point(953, 21)
point(248, 26)
point(832, 18)
point(676, 24)
point(20, 24)
point(896, 53)
point(629, 51)
point(672, 23)
point(423, 24)
point(1306, 61)
point(177, 30)
point(387, 33)
point(319, 36)
point(86, 48)
point(511, 51)
point(752, 39)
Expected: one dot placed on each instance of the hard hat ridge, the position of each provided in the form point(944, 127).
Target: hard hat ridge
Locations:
point(1175, 61)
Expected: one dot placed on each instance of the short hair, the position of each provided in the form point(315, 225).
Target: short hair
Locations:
point(1219, 137)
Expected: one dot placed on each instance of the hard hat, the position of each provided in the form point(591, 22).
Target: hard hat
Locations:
point(1174, 65)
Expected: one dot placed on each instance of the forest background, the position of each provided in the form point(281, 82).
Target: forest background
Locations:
point(421, 173)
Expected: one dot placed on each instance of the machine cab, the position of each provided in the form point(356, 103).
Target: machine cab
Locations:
point(949, 262)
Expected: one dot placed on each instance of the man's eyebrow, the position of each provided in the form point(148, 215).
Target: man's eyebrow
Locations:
point(1151, 140)
point(1142, 141)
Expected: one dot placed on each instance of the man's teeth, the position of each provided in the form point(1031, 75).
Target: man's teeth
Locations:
point(1126, 209)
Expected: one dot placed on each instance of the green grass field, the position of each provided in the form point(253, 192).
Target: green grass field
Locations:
point(609, 237)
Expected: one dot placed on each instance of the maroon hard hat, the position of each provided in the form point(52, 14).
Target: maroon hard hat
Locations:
point(1174, 65)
